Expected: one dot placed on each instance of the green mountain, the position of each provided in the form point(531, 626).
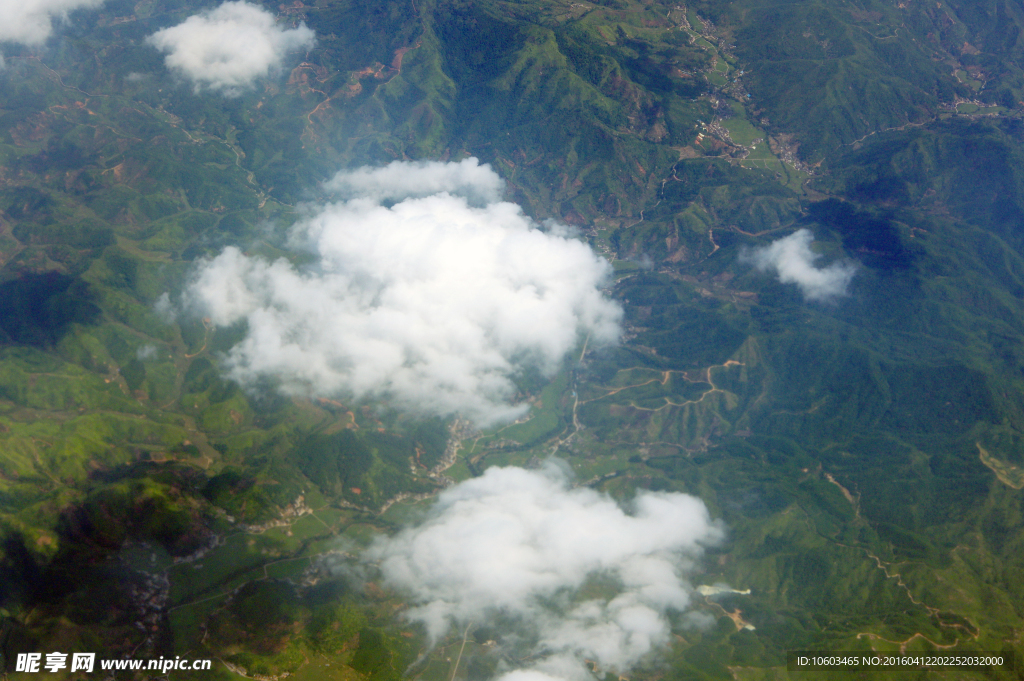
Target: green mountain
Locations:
point(866, 453)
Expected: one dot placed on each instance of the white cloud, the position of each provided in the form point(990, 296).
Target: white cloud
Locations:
point(517, 546)
point(543, 675)
point(30, 22)
point(793, 260)
point(229, 47)
point(431, 302)
point(165, 310)
point(407, 180)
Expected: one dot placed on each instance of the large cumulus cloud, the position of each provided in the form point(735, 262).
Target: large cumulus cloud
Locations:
point(516, 546)
point(30, 22)
point(228, 48)
point(792, 258)
point(416, 295)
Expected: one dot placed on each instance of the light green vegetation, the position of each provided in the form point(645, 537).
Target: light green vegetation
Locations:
point(969, 108)
point(741, 131)
point(965, 78)
point(840, 443)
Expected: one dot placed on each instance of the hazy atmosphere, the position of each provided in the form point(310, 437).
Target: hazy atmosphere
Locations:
point(511, 340)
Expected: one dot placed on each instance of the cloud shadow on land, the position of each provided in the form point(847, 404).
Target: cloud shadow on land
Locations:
point(37, 309)
point(875, 240)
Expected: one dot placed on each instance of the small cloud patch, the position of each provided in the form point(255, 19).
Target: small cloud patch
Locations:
point(228, 48)
point(793, 260)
